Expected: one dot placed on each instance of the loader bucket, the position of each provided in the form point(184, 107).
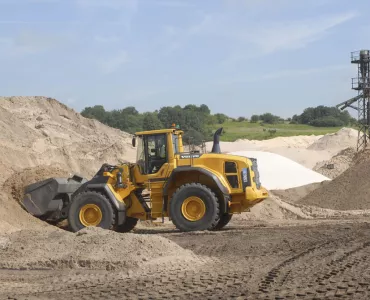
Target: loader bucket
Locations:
point(45, 197)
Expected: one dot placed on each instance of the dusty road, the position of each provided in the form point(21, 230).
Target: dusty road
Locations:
point(304, 260)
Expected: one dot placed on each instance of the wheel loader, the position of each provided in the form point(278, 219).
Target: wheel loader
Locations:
point(195, 190)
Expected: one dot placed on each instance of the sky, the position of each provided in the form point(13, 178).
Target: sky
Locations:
point(239, 57)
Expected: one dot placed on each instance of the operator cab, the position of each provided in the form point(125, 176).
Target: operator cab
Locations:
point(153, 149)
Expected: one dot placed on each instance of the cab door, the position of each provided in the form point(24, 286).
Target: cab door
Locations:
point(154, 168)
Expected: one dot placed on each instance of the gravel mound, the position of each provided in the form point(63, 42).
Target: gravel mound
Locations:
point(90, 248)
point(337, 164)
point(348, 191)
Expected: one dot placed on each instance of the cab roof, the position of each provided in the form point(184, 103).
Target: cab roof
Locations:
point(159, 131)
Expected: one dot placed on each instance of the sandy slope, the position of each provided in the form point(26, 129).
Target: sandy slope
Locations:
point(348, 191)
point(41, 131)
point(42, 138)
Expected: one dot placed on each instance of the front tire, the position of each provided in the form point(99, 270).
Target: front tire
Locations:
point(128, 225)
point(194, 207)
point(224, 220)
point(90, 208)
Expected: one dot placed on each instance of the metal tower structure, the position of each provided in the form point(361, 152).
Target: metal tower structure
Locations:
point(361, 84)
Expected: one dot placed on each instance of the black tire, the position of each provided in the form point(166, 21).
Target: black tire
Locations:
point(212, 209)
point(128, 225)
point(224, 220)
point(90, 197)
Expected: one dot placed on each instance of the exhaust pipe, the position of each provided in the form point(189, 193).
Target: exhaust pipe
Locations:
point(216, 141)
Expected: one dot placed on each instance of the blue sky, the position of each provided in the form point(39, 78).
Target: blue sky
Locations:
point(240, 57)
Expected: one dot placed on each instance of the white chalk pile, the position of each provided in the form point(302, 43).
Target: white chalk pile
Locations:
point(278, 172)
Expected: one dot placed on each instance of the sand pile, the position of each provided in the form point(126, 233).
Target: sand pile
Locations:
point(344, 138)
point(273, 208)
point(278, 172)
point(337, 164)
point(14, 185)
point(12, 216)
point(293, 195)
point(305, 150)
point(348, 191)
point(41, 131)
point(91, 248)
point(42, 138)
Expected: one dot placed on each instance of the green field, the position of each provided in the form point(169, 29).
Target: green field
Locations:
point(255, 131)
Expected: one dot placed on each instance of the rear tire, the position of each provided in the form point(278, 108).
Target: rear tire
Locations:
point(224, 220)
point(128, 225)
point(194, 207)
point(90, 208)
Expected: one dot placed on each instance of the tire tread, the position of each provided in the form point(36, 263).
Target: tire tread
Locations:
point(207, 190)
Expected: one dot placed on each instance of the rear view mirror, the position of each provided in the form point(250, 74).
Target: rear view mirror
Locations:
point(134, 141)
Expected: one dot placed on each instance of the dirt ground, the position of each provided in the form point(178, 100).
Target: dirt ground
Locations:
point(284, 248)
point(299, 260)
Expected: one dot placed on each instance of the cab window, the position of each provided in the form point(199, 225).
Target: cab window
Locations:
point(156, 149)
point(175, 143)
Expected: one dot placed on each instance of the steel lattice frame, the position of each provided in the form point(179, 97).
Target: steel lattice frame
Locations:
point(362, 84)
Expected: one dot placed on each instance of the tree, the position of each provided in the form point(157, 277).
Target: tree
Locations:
point(130, 110)
point(241, 119)
point(205, 109)
point(323, 116)
point(328, 121)
point(269, 118)
point(151, 121)
point(255, 118)
point(96, 112)
point(221, 118)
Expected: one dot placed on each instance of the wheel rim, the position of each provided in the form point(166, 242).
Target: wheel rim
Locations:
point(90, 215)
point(193, 209)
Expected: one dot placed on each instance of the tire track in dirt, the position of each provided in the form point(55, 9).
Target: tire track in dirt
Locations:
point(315, 279)
point(303, 263)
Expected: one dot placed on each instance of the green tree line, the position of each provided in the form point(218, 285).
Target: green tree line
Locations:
point(193, 119)
point(196, 121)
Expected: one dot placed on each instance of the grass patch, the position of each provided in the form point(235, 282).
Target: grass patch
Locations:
point(255, 131)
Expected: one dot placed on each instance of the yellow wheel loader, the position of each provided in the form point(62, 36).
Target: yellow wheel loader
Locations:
point(196, 190)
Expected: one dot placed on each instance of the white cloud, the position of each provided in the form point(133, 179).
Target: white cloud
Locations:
point(293, 35)
point(113, 63)
point(249, 37)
